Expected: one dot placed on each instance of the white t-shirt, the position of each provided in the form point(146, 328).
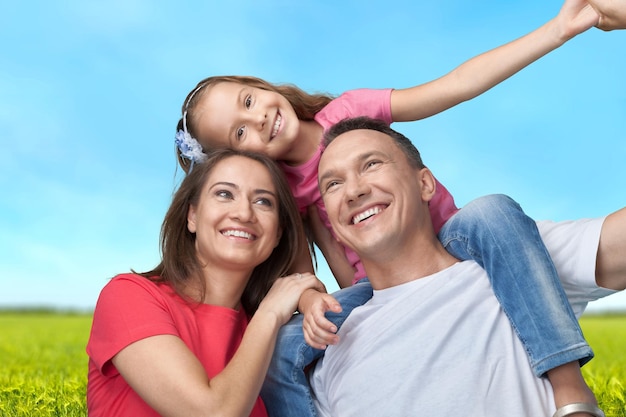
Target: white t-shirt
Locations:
point(573, 247)
point(436, 346)
point(442, 346)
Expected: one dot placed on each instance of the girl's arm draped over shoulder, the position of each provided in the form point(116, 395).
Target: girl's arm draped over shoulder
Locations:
point(484, 71)
point(303, 262)
point(333, 251)
point(171, 379)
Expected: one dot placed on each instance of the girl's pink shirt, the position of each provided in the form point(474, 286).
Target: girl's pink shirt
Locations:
point(303, 178)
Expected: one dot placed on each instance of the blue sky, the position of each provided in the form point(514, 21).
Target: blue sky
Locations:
point(90, 93)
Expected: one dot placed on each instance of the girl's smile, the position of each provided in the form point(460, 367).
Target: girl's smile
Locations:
point(277, 124)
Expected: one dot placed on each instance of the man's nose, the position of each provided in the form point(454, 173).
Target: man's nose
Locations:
point(356, 188)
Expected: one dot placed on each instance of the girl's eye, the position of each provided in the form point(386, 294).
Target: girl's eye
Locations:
point(240, 132)
point(247, 101)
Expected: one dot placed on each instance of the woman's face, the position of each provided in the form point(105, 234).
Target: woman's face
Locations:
point(238, 116)
point(236, 220)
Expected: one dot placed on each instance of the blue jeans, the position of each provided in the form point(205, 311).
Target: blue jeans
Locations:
point(493, 231)
point(286, 389)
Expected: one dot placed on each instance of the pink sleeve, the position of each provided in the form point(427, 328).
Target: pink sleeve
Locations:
point(363, 102)
point(130, 308)
point(354, 103)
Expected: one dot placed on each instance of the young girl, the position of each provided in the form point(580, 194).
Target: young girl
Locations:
point(195, 335)
point(288, 125)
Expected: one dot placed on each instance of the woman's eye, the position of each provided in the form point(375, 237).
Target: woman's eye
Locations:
point(240, 132)
point(247, 102)
point(264, 202)
point(224, 194)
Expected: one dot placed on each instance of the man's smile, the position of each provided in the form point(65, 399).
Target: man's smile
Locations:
point(368, 213)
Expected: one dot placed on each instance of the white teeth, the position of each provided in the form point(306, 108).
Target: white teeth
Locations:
point(367, 213)
point(276, 126)
point(237, 233)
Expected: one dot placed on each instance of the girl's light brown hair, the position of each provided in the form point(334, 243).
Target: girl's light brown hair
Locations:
point(179, 263)
point(305, 105)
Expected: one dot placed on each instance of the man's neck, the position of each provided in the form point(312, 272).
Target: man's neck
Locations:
point(415, 262)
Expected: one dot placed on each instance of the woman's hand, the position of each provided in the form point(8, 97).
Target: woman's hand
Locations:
point(282, 299)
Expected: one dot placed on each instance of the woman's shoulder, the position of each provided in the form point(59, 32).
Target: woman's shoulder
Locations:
point(131, 279)
point(132, 294)
point(128, 285)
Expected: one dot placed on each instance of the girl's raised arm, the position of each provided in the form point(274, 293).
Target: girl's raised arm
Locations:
point(484, 71)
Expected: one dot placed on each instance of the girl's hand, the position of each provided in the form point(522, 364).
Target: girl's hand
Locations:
point(575, 17)
point(282, 299)
point(612, 13)
point(319, 332)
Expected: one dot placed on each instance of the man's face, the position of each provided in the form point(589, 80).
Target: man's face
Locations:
point(370, 191)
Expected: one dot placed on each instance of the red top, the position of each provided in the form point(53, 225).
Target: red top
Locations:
point(131, 308)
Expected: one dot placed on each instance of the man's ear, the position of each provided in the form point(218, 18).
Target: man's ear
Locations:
point(191, 219)
point(428, 184)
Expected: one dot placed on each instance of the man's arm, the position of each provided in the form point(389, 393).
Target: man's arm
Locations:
point(612, 13)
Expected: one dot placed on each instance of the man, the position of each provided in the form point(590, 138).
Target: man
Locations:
point(433, 340)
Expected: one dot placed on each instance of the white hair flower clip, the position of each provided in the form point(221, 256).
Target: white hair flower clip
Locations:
point(189, 148)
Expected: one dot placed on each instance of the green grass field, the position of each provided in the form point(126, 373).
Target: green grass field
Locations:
point(43, 364)
point(606, 373)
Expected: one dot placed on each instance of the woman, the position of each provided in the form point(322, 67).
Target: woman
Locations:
point(195, 335)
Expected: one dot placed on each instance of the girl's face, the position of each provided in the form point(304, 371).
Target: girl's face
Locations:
point(242, 117)
point(236, 220)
